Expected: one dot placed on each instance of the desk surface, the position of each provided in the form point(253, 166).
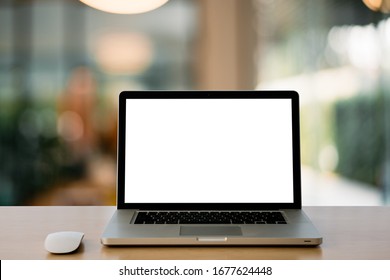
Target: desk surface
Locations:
point(349, 233)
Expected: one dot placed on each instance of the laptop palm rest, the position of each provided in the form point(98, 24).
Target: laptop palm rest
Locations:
point(210, 230)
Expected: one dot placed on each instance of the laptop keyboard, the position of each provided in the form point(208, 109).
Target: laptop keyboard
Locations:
point(212, 217)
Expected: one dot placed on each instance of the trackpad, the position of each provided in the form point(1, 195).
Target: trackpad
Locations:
point(210, 230)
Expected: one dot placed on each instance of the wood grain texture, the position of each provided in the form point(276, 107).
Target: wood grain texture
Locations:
point(349, 233)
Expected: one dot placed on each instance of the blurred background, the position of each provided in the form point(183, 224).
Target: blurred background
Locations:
point(63, 65)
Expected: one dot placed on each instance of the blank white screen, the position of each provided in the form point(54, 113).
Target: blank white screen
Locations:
point(208, 151)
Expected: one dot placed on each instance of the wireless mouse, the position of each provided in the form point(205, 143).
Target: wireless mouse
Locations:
point(63, 242)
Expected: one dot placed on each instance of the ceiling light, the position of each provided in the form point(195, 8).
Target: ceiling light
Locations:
point(125, 6)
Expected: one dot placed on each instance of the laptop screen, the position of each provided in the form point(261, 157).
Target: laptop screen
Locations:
point(208, 150)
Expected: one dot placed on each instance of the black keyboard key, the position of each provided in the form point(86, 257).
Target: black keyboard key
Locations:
point(205, 217)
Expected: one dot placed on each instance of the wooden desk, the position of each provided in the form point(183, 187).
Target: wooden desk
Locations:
point(349, 233)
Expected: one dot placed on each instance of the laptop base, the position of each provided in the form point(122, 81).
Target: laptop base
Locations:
point(299, 231)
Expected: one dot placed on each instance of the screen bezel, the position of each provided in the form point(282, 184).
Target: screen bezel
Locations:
point(292, 95)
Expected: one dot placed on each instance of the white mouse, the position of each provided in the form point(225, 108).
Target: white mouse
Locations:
point(63, 242)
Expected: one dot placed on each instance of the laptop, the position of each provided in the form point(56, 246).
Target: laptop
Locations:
point(209, 168)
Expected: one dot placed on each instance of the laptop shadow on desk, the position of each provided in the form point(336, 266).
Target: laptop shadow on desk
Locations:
point(212, 253)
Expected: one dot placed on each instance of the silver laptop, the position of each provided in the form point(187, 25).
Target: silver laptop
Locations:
point(209, 168)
